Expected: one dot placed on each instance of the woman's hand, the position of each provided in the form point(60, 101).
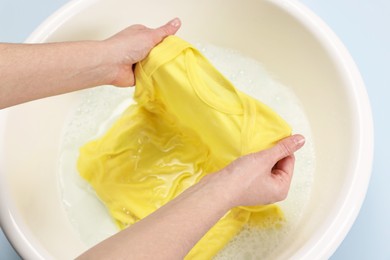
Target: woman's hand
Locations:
point(33, 71)
point(260, 178)
point(132, 45)
point(171, 231)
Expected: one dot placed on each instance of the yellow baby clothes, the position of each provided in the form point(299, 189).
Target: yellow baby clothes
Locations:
point(188, 121)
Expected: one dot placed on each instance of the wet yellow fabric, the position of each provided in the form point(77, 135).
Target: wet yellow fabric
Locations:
point(188, 121)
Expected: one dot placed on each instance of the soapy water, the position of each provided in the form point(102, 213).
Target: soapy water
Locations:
point(100, 107)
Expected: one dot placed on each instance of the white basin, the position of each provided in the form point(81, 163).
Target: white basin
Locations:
point(292, 44)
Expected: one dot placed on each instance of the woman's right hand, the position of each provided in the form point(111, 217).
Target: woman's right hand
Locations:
point(259, 178)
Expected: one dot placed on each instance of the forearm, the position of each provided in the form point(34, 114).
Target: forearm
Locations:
point(32, 71)
point(171, 231)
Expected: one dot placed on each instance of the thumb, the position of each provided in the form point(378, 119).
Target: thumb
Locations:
point(286, 147)
point(169, 28)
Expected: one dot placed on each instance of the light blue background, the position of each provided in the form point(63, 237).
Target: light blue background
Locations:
point(364, 27)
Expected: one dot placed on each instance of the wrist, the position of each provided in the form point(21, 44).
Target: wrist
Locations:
point(119, 64)
point(219, 190)
point(109, 65)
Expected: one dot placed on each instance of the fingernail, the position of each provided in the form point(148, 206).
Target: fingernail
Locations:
point(299, 140)
point(175, 22)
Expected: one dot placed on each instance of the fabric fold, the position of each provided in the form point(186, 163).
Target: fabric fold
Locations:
point(188, 121)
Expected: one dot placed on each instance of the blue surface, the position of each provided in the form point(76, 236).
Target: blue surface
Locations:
point(364, 27)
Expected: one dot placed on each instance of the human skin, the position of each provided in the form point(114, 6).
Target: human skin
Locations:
point(171, 231)
point(33, 71)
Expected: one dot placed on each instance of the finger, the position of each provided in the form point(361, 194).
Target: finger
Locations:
point(169, 28)
point(282, 173)
point(284, 167)
point(286, 147)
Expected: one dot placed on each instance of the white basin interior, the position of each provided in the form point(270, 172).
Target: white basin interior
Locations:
point(292, 44)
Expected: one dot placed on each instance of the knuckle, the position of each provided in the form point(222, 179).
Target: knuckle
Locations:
point(138, 26)
point(283, 194)
point(280, 195)
point(284, 149)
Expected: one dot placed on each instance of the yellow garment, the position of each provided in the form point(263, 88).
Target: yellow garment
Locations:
point(188, 121)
